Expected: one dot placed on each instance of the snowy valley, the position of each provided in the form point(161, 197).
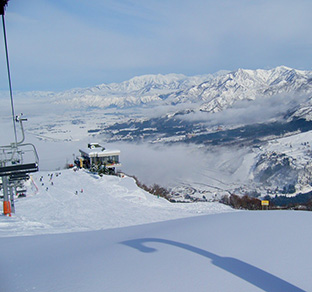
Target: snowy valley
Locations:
point(210, 135)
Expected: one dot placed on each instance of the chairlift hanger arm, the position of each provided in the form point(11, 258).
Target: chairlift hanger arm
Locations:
point(20, 119)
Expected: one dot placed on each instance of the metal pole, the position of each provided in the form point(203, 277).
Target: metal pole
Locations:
point(9, 78)
point(5, 188)
point(12, 198)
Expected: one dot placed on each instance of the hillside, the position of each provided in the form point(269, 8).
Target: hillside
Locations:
point(52, 205)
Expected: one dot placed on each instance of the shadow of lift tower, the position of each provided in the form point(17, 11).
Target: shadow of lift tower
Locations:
point(14, 166)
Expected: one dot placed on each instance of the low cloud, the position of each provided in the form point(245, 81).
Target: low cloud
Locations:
point(261, 110)
point(184, 164)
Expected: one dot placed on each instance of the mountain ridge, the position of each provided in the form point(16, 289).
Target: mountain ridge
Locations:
point(210, 92)
point(223, 91)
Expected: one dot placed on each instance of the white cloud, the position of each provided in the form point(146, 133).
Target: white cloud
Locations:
point(249, 112)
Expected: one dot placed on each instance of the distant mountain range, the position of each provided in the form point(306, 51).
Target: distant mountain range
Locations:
point(136, 91)
point(227, 107)
point(223, 91)
point(209, 93)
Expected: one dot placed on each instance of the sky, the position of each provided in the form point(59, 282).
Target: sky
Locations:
point(59, 45)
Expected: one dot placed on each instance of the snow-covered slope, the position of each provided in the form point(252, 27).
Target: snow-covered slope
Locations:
point(239, 252)
point(52, 205)
point(285, 163)
point(228, 251)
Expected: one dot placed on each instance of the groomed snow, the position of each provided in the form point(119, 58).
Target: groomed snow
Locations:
point(238, 251)
point(227, 251)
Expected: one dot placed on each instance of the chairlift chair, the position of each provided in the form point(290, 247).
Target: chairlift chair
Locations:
point(13, 168)
point(12, 165)
point(14, 155)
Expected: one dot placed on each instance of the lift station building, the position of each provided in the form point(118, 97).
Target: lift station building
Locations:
point(97, 156)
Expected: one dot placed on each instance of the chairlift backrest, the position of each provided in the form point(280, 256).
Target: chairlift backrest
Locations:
point(18, 169)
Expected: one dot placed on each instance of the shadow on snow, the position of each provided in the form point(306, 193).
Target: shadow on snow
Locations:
point(245, 271)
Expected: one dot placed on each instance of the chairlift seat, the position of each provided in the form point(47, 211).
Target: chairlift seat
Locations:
point(18, 169)
point(21, 191)
point(18, 177)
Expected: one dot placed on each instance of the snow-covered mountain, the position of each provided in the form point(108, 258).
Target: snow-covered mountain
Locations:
point(136, 91)
point(223, 91)
point(211, 93)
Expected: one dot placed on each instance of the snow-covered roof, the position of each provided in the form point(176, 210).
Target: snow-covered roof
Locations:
point(96, 150)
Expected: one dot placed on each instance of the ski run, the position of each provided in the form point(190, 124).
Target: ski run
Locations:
point(76, 231)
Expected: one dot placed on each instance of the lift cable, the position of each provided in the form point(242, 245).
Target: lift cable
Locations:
point(3, 3)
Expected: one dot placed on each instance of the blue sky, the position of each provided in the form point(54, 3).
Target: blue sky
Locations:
point(57, 45)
